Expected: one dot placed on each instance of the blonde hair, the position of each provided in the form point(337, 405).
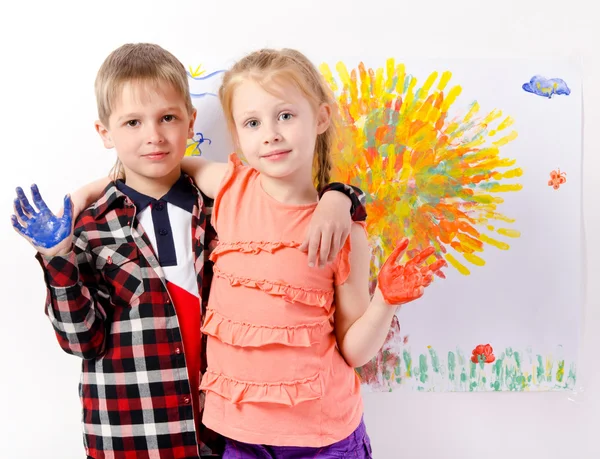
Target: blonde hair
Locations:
point(269, 65)
point(137, 62)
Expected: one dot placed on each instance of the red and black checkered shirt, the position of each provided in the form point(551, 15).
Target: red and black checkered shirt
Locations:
point(108, 302)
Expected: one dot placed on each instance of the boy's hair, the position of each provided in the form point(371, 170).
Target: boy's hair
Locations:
point(267, 66)
point(145, 63)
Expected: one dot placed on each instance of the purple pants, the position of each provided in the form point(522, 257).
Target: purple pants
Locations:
point(356, 445)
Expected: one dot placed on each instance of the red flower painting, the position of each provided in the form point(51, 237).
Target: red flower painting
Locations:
point(483, 353)
point(557, 178)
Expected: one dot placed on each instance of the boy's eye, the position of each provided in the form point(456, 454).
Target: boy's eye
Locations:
point(252, 123)
point(286, 116)
point(133, 123)
point(169, 118)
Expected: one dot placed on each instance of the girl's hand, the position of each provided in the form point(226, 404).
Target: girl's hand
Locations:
point(328, 230)
point(85, 196)
point(401, 284)
point(49, 234)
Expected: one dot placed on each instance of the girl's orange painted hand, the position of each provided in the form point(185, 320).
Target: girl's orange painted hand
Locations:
point(401, 284)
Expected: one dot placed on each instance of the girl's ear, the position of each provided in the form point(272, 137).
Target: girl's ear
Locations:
point(323, 118)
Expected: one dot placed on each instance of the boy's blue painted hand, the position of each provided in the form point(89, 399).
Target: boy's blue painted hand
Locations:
point(48, 233)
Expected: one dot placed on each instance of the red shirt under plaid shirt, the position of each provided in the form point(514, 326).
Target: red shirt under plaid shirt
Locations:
point(109, 304)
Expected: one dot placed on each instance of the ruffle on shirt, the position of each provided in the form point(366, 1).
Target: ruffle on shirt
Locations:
point(304, 295)
point(252, 247)
point(249, 335)
point(288, 393)
point(341, 264)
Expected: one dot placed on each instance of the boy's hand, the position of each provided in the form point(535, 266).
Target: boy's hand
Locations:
point(49, 234)
point(328, 230)
point(400, 284)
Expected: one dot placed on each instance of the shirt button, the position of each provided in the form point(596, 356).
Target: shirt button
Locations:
point(186, 400)
point(168, 301)
point(163, 232)
point(177, 350)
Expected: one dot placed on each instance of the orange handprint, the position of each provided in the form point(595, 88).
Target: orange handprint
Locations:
point(401, 284)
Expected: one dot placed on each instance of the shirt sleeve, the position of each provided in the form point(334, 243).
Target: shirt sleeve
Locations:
point(76, 300)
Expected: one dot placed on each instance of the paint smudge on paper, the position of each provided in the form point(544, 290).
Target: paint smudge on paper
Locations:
point(547, 87)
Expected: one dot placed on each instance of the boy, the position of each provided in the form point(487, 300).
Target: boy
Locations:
point(126, 285)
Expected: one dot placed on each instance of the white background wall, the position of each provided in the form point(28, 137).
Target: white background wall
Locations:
point(50, 52)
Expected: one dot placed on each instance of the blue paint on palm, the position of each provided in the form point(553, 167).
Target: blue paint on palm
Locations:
point(43, 228)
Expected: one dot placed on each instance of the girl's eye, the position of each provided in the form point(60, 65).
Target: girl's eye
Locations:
point(133, 123)
point(252, 123)
point(286, 116)
point(169, 118)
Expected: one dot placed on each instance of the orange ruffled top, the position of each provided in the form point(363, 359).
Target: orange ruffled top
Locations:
point(275, 375)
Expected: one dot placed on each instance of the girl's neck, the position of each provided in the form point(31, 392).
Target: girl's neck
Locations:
point(286, 191)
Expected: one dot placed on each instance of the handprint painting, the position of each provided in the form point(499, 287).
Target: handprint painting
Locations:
point(460, 168)
point(464, 169)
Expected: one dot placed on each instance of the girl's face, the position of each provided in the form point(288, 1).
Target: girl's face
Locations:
point(277, 130)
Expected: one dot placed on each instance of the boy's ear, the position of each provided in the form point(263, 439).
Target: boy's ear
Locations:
point(191, 132)
point(323, 118)
point(104, 134)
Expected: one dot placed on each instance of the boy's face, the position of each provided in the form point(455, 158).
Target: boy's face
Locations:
point(149, 128)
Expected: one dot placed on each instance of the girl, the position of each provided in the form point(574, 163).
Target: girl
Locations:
point(283, 338)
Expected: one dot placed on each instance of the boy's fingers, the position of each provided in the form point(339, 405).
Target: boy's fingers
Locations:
point(304, 246)
point(335, 248)
point(326, 246)
point(68, 209)
point(25, 202)
point(313, 250)
point(37, 198)
point(17, 226)
point(19, 211)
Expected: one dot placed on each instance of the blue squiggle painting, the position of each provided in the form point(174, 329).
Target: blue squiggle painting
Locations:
point(203, 78)
point(547, 87)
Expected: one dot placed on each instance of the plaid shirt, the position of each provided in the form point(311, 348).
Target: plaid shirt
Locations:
point(108, 303)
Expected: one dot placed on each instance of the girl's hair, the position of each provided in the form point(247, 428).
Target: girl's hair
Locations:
point(144, 63)
point(268, 66)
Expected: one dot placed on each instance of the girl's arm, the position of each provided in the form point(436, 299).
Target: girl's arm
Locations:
point(207, 175)
point(361, 325)
point(331, 220)
point(86, 195)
